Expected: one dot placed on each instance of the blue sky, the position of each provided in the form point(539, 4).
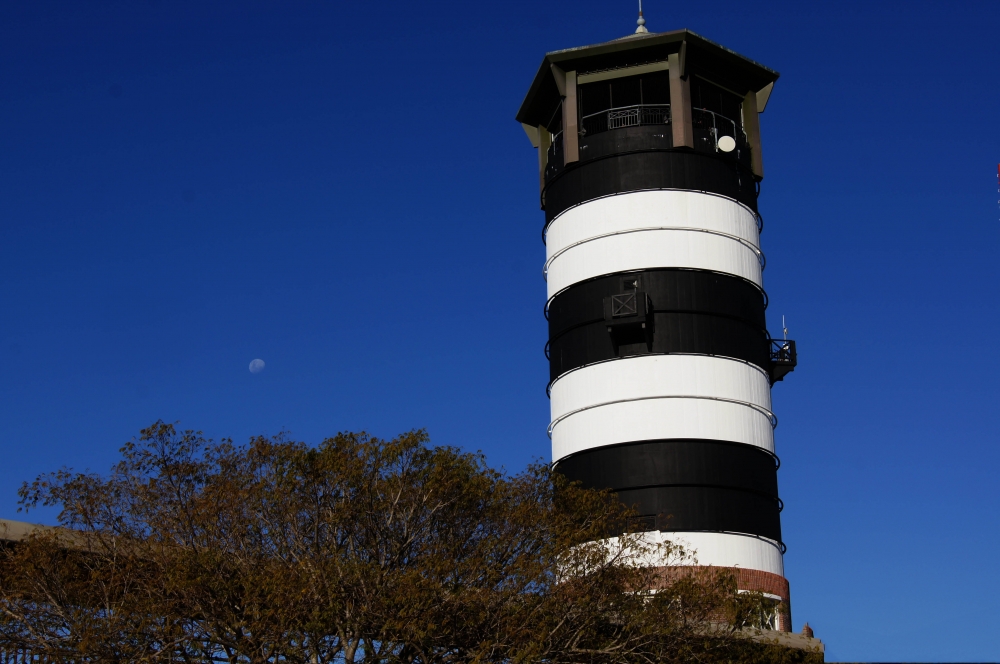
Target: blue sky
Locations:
point(342, 191)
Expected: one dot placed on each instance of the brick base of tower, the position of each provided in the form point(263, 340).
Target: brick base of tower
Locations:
point(772, 585)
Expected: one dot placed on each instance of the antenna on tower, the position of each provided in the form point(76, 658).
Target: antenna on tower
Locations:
point(783, 328)
point(641, 22)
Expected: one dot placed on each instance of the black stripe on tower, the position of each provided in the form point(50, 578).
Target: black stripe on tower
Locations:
point(621, 161)
point(688, 311)
point(687, 485)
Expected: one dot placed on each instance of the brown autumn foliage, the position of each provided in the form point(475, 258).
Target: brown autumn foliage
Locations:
point(358, 550)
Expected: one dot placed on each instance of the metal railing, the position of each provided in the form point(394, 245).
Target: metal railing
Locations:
point(555, 151)
point(749, 245)
point(625, 116)
point(771, 417)
point(783, 352)
point(649, 114)
point(718, 125)
point(783, 358)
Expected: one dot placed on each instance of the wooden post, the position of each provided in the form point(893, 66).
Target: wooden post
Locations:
point(571, 129)
point(680, 102)
point(751, 125)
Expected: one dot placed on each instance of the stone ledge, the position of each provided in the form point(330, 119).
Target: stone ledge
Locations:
point(786, 639)
point(15, 531)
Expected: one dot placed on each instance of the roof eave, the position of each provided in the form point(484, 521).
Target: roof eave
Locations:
point(543, 78)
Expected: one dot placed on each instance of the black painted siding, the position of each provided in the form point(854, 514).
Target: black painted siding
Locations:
point(687, 484)
point(639, 158)
point(694, 311)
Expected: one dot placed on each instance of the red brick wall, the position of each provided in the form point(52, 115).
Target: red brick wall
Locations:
point(747, 579)
point(765, 582)
point(772, 584)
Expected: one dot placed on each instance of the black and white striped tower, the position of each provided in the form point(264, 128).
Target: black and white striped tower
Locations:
point(661, 365)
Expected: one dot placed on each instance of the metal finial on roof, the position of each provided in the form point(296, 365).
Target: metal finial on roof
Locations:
point(641, 22)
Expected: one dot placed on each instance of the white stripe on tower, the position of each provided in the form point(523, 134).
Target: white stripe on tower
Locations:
point(652, 229)
point(730, 550)
point(651, 397)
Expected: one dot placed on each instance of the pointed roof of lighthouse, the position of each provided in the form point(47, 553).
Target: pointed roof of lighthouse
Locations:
point(702, 56)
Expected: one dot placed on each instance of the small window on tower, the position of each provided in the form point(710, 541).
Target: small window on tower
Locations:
point(630, 283)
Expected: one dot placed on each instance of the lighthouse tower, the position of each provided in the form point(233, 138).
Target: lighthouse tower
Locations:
point(661, 366)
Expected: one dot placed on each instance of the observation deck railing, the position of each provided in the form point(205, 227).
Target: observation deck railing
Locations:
point(708, 126)
point(717, 126)
point(625, 116)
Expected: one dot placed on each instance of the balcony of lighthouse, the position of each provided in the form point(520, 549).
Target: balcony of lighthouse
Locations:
point(625, 141)
point(643, 127)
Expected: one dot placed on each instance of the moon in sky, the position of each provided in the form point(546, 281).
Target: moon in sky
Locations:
point(256, 366)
